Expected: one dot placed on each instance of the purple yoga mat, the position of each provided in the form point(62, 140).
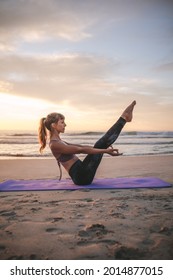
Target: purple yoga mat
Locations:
point(52, 184)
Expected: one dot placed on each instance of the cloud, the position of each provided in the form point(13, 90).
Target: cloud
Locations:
point(87, 77)
point(165, 67)
point(5, 86)
point(82, 81)
point(72, 20)
point(74, 78)
point(29, 20)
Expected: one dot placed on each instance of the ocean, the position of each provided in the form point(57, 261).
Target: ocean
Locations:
point(22, 144)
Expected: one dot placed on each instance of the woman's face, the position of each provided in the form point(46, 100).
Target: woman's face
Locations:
point(60, 126)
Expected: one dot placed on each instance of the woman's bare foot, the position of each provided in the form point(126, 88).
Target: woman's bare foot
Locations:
point(128, 113)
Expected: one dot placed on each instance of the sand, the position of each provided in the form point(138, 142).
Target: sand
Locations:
point(88, 224)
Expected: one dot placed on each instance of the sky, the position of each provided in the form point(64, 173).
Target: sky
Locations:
point(87, 60)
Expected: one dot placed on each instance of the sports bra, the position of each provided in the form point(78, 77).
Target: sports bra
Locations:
point(62, 158)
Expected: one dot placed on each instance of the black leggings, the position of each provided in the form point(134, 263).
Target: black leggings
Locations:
point(83, 172)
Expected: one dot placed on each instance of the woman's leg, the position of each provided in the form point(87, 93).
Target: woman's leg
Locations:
point(91, 162)
point(82, 173)
point(89, 166)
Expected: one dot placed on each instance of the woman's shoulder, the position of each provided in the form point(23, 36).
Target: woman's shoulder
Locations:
point(56, 142)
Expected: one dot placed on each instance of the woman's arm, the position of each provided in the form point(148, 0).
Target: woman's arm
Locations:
point(78, 145)
point(61, 148)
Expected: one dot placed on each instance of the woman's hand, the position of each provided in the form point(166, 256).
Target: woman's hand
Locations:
point(113, 152)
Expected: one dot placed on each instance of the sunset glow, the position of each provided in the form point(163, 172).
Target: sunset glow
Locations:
point(87, 61)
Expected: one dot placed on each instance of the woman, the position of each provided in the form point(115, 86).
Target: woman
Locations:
point(81, 172)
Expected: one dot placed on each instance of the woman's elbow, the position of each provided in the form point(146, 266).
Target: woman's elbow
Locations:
point(79, 150)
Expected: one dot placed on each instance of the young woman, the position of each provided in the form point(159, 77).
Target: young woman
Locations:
point(81, 172)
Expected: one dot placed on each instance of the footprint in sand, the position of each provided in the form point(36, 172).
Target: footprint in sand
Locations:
point(127, 253)
point(2, 247)
point(55, 219)
point(95, 234)
point(33, 209)
point(117, 214)
point(16, 258)
point(33, 257)
point(52, 230)
point(20, 257)
point(7, 213)
point(94, 230)
point(166, 230)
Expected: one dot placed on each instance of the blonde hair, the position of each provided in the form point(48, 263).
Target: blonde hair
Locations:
point(45, 124)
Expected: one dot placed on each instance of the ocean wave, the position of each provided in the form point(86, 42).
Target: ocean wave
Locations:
point(152, 136)
point(22, 134)
point(144, 143)
point(155, 134)
point(150, 153)
point(21, 142)
point(133, 134)
point(18, 155)
point(85, 133)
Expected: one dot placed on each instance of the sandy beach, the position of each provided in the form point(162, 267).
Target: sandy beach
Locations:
point(88, 224)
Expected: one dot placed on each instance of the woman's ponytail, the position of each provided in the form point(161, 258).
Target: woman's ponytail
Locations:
point(42, 134)
point(45, 123)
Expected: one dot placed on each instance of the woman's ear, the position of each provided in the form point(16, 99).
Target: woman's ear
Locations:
point(53, 125)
